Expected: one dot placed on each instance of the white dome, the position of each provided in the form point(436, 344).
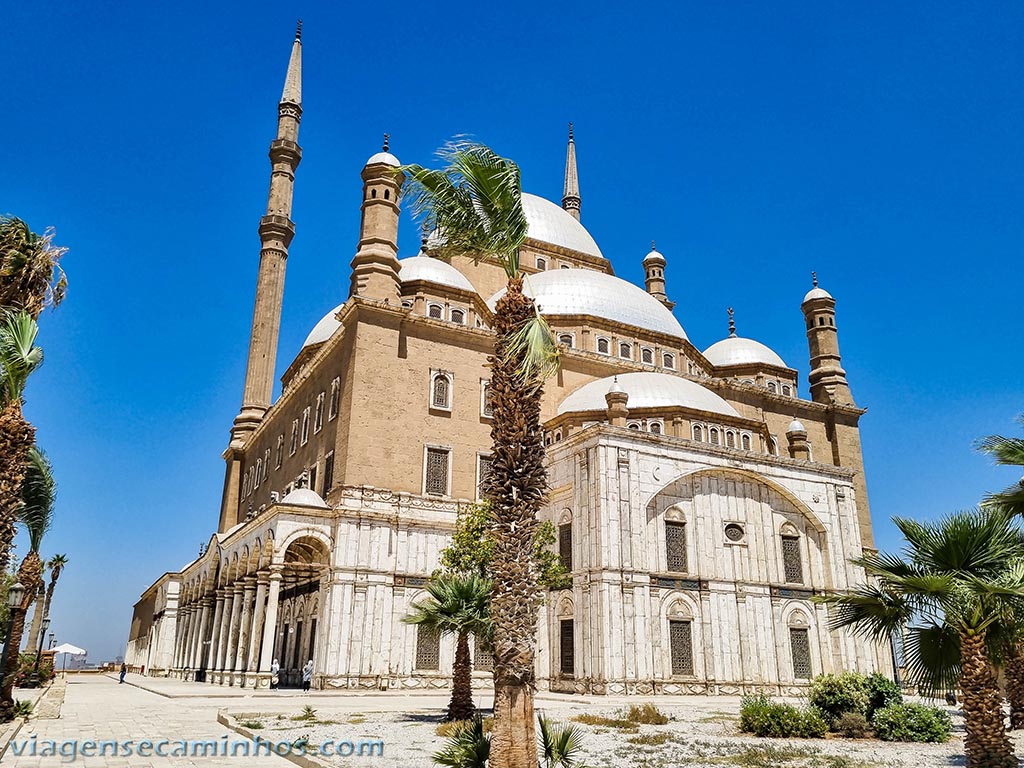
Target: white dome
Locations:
point(737, 350)
point(324, 329)
point(549, 223)
point(816, 293)
point(588, 292)
point(647, 390)
point(304, 497)
point(433, 271)
point(795, 426)
point(653, 256)
point(384, 158)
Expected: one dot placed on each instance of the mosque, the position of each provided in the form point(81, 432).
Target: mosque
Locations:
point(701, 501)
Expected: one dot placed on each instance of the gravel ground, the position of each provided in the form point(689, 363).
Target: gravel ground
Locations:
point(703, 735)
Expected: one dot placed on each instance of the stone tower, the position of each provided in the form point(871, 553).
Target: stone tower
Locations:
point(375, 265)
point(827, 378)
point(276, 230)
point(571, 188)
point(654, 276)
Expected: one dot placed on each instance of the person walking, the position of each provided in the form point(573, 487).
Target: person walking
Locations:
point(124, 671)
point(307, 675)
point(275, 668)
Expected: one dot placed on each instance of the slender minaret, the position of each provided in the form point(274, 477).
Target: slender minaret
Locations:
point(827, 378)
point(654, 276)
point(375, 266)
point(571, 190)
point(276, 231)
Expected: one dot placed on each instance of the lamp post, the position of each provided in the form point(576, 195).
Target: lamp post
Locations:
point(14, 594)
point(34, 680)
point(50, 645)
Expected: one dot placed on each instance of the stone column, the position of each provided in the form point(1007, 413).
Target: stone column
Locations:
point(256, 631)
point(245, 625)
point(179, 641)
point(193, 640)
point(270, 622)
point(187, 639)
point(225, 627)
point(199, 655)
point(232, 627)
point(218, 619)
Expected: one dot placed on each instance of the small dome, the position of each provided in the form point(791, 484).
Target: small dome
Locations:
point(589, 292)
point(795, 426)
point(384, 158)
point(550, 223)
point(653, 256)
point(736, 350)
point(816, 293)
point(304, 497)
point(324, 329)
point(615, 389)
point(648, 390)
point(434, 271)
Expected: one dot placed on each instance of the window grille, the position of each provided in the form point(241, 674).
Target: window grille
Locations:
point(786, 390)
point(305, 426)
point(800, 647)
point(542, 263)
point(791, 560)
point(483, 659)
point(656, 427)
point(441, 392)
point(428, 648)
point(566, 338)
point(458, 316)
point(771, 386)
point(730, 439)
point(295, 438)
point(675, 546)
point(328, 474)
point(713, 436)
point(318, 421)
point(488, 405)
point(567, 647)
point(280, 452)
point(435, 311)
point(669, 361)
point(634, 425)
point(625, 351)
point(681, 647)
point(483, 471)
point(603, 346)
point(698, 434)
point(565, 545)
point(745, 440)
point(647, 355)
point(335, 397)
point(437, 472)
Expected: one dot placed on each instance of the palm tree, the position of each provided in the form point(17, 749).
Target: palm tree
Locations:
point(30, 273)
point(458, 606)
point(473, 206)
point(960, 578)
point(56, 566)
point(38, 493)
point(19, 357)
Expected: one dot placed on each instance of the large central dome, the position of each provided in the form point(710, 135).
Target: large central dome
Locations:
point(549, 223)
point(589, 292)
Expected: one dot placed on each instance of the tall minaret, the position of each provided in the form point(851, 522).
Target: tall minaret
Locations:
point(654, 276)
point(827, 379)
point(571, 190)
point(375, 266)
point(276, 231)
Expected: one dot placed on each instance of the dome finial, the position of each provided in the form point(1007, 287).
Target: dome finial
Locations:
point(652, 246)
point(570, 130)
point(387, 141)
point(298, 30)
point(814, 279)
point(732, 322)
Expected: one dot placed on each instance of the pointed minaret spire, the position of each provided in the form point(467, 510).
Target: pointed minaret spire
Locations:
point(814, 279)
point(387, 141)
point(732, 323)
point(571, 190)
point(276, 231)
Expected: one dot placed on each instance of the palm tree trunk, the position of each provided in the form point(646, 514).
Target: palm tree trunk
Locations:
point(516, 487)
point(986, 743)
point(37, 622)
point(461, 706)
point(30, 574)
point(16, 437)
point(1015, 687)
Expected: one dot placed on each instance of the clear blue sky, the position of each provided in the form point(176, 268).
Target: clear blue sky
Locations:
point(877, 143)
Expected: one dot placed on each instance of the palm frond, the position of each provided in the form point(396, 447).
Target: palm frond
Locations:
point(870, 611)
point(535, 350)
point(19, 356)
point(560, 744)
point(1004, 450)
point(38, 493)
point(972, 541)
point(456, 603)
point(931, 655)
point(467, 747)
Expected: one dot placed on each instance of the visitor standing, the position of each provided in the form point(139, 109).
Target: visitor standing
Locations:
point(307, 675)
point(274, 669)
point(124, 671)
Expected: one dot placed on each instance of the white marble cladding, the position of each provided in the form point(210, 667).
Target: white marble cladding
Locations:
point(617, 489)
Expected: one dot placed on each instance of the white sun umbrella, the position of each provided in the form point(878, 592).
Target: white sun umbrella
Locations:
point(69, 650)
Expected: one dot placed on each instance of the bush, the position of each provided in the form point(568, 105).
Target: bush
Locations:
point(853, 725)
point(761, 716)
point(648, 714)
point(912, 722)
point(835, 695)
point(882, 692)
point(22, 708)
point(27, 663)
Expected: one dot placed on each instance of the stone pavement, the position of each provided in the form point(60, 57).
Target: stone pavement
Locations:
point(97, 708)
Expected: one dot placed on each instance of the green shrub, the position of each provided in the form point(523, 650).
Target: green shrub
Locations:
point(853, 725)
point(835, 695)
point(882, 692)
point(22, 708)
point(761, 716)
point(912, 722)
point(648, 714)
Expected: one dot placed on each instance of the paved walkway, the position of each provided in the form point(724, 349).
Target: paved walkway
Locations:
point(97, 708)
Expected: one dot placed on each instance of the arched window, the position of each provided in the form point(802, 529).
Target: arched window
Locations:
point(698, 433)
point(730, 439)
point(604, 346)
point(675, 546)
point(567, 266)
point(406, 304)
point(655, 427)
point(625, 350)
point(547, 439)
point(786, 390)
point(373, 193)
point(745, 442)
point(713, 436)
point(792, 563)
point(821, 321)
point(486, 405)
point(566, 338)
point(441, 392)
point(771, 387)
point(634, 425)
point(773, 446)
point(542, 263)
point(435, 311)
point(558, 436)
point(668, 360)
point(647, 355)
point(387, 194)
point(458, 316)
point(305, 426)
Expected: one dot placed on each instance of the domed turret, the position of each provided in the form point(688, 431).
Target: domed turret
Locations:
point(375, 265)
point(654, 276)
point(827, 378)
point(736, 350)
